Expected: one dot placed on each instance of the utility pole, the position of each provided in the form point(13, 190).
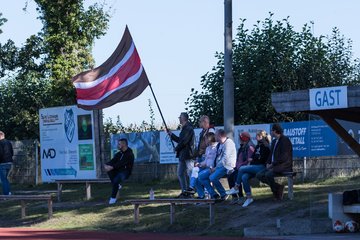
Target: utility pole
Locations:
point(228, 76)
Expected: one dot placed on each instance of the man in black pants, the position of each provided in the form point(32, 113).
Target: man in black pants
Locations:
point(280, 160)
point(120, 167)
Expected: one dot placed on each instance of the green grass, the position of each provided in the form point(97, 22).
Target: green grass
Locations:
point(75, 213)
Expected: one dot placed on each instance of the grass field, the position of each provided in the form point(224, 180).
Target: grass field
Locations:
point(74, 212)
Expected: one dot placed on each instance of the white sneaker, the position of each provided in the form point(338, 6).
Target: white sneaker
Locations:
point(120, 186)
point(247, 202)
point(112, 200)
point(232, 191)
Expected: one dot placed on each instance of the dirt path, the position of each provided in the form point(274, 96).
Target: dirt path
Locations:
point(43, 234)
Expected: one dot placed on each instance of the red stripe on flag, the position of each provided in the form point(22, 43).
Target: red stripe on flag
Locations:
point(124, 72)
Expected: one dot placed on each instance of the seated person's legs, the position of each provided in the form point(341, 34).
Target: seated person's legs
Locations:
point(205, 181)
point(261, 176)
point(276, 188)
point(215, 179)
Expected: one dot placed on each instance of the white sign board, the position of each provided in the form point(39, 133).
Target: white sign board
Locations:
point(252, 129)
point(328, 98)
point(67, 143)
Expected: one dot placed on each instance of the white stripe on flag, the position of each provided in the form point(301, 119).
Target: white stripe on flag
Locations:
point(129, 81)
point(86, 85)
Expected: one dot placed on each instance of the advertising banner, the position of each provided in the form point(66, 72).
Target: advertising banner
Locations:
point(145, 145)
point(67, 143)
point(252, 129)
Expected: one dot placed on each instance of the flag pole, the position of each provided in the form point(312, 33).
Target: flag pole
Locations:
point(162, 117)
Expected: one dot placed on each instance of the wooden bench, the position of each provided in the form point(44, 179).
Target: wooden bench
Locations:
point(172, 203)
point(290, 179)
point(87, 182)
point(23, 198)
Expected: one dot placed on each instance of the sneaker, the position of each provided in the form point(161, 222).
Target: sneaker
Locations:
point(232, 191)
point(190, 191)
point(112, 200)
point(247, 202)
point(120, 186)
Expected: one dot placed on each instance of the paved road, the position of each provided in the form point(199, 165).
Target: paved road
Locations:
point(333, 236)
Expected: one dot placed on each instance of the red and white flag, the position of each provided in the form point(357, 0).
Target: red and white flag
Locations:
point(120, 78)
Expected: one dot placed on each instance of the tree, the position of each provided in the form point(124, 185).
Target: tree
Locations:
point(273, 57)
point(68, 34)
point(38, 74)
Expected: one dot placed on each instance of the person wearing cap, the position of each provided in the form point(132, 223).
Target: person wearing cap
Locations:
point(257, 164)
point(245, 152)
point(6, 159)
point(280, 160)
point(185, 151)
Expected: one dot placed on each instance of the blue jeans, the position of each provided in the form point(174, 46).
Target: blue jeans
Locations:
point(184, 172)
point(206, 177)
point(116, 179)
point(195, 183)
point(245, 173)
point(4, 172)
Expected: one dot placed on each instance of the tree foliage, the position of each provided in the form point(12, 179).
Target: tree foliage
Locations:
point(39, 73)
point(273, 57)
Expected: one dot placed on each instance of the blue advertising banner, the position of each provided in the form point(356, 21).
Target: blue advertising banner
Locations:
point(298, 133)
point(311, 138)
point(323, 140)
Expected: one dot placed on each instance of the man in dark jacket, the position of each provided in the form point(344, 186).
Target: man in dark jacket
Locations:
point(6, 159)
point(185, 151)
point(280, 160)
point(120, 167)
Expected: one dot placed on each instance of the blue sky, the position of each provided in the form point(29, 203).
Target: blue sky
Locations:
point(177, 39)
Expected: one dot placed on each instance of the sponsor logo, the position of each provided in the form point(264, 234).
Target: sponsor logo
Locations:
point(48, 153)
point(69, 124)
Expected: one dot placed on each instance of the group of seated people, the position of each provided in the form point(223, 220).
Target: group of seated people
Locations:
point(263, 161)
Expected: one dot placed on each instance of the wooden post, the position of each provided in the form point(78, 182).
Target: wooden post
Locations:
point(50, 208)
point(290, 187)
point(59, 190)
point(212, 213)
point(23, 211)
point(172, 213)
point(136, 213)
point(88, 190)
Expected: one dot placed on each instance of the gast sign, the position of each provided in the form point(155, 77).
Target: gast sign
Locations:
point(328, 98)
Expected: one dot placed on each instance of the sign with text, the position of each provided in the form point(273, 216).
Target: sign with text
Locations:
point(328, 98)
point(67, 143)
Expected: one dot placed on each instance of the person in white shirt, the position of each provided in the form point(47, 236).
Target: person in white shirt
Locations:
point(225, 162)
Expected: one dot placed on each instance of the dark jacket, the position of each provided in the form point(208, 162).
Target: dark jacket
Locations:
point(185, 148)
point(123, 162)
point(6, 151)
point(261, 153)
point(282, 152)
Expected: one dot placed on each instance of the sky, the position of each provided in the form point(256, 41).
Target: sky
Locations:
point(177, 39)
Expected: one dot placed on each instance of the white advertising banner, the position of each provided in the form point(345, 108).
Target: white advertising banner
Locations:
point(252, 129)
point(67, 143)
